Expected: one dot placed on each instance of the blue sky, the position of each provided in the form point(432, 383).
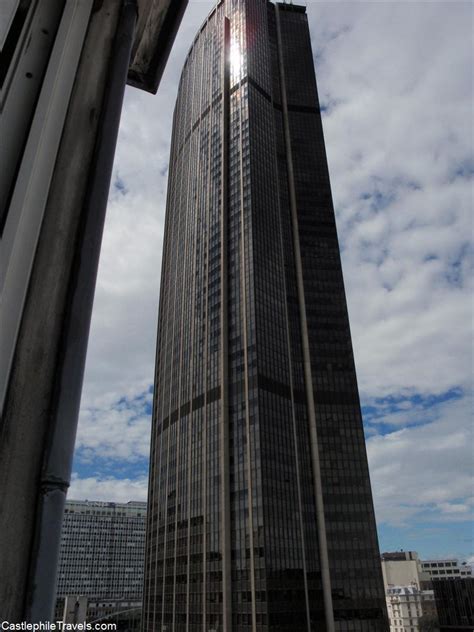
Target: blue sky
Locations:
point(393, 79)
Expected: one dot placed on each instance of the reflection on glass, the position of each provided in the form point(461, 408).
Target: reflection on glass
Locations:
point(236, 61)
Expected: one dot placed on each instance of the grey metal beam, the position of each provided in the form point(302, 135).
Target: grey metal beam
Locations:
point(59, 453)
point(42, 401)
point(225, 525)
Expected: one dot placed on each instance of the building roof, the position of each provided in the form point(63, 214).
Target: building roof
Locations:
point(403, 590)
point(399, 556)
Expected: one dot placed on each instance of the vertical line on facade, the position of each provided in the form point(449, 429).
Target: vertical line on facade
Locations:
point(168, 455)
point(170, 226)
point(186, 256)
point(224, 377)
point(157, 417)
point(178, 433)
point(193, 299)
point(153, 469)
point(171, 428)
point(293, 418)
point(158, 521)
point(206, 355)
point(243, 288)
point(315, 461)
point(191, 382)
point(151, 516)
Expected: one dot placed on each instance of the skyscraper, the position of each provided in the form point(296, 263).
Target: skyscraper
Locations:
point(260, 509)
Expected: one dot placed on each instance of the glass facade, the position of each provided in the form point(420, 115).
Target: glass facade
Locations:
point(260, 508)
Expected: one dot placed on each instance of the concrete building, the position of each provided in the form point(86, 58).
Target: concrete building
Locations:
point(260, 507)
point(402, 568)
point(406, 605)
point(102, 556)
point(445, 569)
point(65, 64)
point(405, 568)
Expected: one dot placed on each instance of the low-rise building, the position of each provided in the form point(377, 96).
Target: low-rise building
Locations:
point(445, 569)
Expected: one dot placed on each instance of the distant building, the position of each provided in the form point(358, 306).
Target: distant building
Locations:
point(402, 568)
point(102, 556)
point(407, 605)
point(455, 604)
point(445, 569)
point(419, 592)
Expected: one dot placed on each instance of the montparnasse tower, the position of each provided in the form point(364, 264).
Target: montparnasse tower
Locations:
point(260, 512)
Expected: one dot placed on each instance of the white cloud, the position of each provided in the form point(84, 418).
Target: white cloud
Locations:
point(395, 139)
point(120, 432)
point(424, 473)
point(108, 489)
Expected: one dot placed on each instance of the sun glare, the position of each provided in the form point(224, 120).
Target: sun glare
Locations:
point(235, 59)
